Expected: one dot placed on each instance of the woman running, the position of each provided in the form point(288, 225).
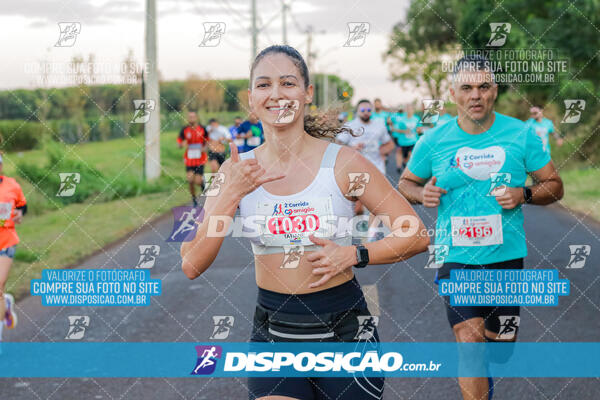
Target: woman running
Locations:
point(306, 286)
point(12, 207)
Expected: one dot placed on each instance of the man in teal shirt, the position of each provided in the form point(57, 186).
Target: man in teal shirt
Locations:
point(543, 127)
point(456, 167)
point(404, 132)
point(380, 112)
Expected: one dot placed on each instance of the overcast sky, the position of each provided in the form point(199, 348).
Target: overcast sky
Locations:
point(109, 28)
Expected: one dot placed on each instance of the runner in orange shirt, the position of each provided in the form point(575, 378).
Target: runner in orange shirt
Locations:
point(195, 137)
point(12, 207)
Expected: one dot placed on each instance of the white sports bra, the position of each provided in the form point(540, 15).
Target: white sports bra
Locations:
point(273, 222)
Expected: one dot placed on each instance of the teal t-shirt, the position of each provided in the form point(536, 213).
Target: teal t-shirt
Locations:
point(443, 119)
point(401, 121)
point(470, 220)
point(543, 129)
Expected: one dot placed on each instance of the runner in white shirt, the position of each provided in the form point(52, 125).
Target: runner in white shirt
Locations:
point(372, 141)
point(218, 136)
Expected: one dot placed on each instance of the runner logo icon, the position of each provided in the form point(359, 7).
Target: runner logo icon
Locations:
point(366, 326)
point(213, 183)
point(357, 33)
point(77, 325)
point(431, 111)
point(148, 254)
point(207, 359)
point(358, 183)
point(184, 223)
point(579, 254)
point(223, 324)
point(68, 33)
point(142, 111)
point(500, 31)
point(498, 183)
point(509, 324)
point(573, 111)
point(437, 255)
point(212, 34)
point(68, 183)
point(291, 256)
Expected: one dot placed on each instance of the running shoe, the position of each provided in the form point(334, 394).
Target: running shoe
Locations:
point(10, 318)
point(195, 202)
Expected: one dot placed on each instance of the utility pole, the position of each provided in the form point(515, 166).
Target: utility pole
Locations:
point(325, 90)
point(254, 31)
point(151, 89)
point(309, 32)
point(284, 7)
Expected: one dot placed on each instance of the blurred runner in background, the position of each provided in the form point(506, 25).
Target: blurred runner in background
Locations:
point(373, 142)
point(239, 141)
point(12, 208)
point(194, 137)
point(543, 127)
point(218, 137)
point(404, 131)
point(252, 131)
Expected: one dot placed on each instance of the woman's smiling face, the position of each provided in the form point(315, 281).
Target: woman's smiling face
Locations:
point(276, 80)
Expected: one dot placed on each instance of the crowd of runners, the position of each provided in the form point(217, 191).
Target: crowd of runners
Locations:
point(282, 160)
point(472, 167)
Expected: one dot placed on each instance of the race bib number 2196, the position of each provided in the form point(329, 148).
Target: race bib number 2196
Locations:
point(484, 230)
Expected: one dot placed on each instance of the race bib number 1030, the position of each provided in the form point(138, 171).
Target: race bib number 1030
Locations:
point(292, 222)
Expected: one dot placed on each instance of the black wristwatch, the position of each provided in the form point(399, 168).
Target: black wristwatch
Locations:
point(527, 194)
point(362, 256)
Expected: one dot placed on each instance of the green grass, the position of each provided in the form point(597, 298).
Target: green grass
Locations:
point(55, 236)
point(582, 190)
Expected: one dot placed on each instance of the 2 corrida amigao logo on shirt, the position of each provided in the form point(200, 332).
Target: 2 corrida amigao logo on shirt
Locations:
point(478, 164)
point(291, 208)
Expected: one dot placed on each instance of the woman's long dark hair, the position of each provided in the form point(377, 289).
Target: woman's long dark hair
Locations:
point(320, 125)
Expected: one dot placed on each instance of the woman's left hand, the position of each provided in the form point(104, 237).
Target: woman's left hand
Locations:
point(331, 260)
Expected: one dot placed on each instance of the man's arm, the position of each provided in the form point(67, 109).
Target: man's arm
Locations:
point(411, 187)
point(387, 147)
point(548, 186)
point(181, 138)
point(547, 189)
point(418, 191)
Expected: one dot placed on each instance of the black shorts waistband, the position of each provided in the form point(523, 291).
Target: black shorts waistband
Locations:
point(346, 296)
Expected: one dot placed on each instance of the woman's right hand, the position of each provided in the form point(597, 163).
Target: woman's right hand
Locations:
point(244, 176)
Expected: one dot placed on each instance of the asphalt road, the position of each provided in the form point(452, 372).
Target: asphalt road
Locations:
point(404, 293)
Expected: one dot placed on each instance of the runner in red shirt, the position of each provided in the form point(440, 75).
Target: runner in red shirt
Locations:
point(12, 207)
point(195, 138)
